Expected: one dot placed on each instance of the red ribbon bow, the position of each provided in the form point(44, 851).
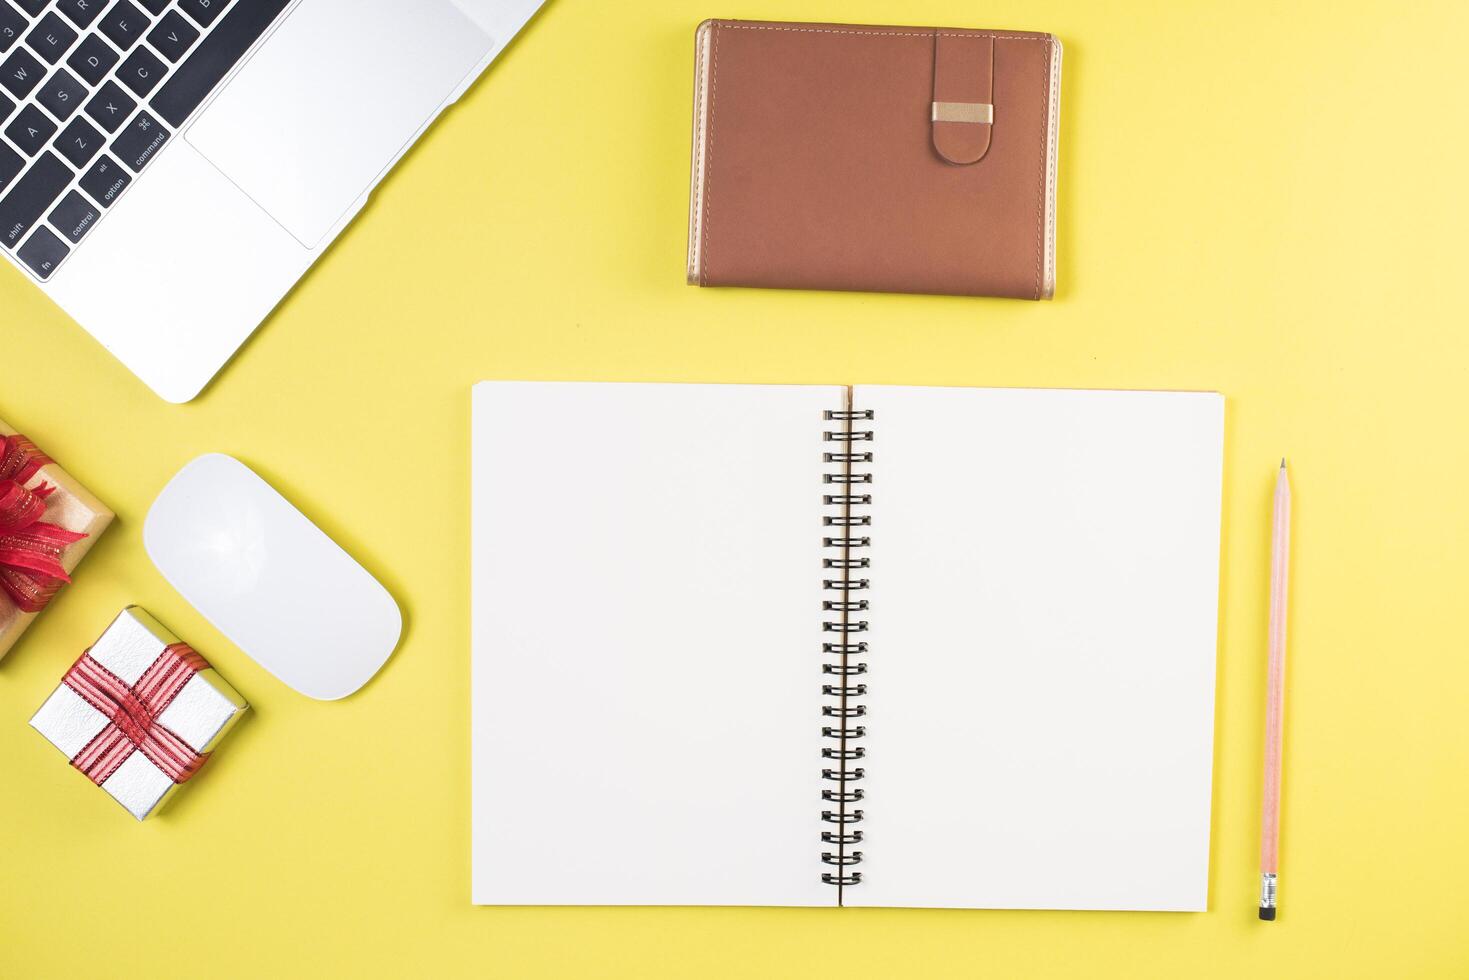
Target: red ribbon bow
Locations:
point(31, 572)
point(132, 713)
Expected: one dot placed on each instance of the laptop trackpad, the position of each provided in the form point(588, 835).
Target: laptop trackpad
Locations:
point(328, 102)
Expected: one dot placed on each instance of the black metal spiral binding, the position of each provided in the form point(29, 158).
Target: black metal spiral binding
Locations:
point(857, 627)
point(843, 704)
point(857, 753)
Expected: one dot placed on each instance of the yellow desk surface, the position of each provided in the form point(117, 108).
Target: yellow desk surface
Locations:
point(1263, 199)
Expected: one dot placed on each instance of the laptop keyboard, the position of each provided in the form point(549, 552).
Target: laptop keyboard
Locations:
point(90, 91)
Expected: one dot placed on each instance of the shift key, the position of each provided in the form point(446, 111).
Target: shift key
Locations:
point(32, 196)
point(139, 141)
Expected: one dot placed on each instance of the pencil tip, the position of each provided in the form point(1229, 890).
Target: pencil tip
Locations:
point(1282, 462)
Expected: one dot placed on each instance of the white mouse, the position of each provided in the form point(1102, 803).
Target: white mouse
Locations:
point(271, 580)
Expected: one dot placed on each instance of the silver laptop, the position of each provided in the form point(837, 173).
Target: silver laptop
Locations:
point(170, 168)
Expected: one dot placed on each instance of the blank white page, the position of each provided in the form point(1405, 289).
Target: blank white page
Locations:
point(1044, 612)
point(646, 668)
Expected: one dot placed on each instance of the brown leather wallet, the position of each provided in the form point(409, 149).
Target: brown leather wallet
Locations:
point(887, 159)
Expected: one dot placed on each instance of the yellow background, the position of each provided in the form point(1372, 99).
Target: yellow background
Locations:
point(1263, 199)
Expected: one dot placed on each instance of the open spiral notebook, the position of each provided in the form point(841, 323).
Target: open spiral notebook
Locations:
point(825, 645)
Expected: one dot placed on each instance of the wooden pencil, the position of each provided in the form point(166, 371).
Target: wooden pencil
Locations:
point(1275, 698)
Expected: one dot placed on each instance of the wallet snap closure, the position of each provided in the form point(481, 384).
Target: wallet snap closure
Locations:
point(963, 110)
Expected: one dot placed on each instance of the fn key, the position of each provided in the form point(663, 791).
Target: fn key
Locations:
point(43, 253)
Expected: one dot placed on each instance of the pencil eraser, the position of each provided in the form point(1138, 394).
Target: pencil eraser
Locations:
point(1267, 914)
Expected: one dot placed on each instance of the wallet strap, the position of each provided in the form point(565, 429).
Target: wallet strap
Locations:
point(963, 95)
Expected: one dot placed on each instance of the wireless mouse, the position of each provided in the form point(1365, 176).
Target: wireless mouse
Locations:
point(270, 580)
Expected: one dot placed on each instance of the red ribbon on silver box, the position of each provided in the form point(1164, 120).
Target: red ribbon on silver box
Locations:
point(132, 712)
point(139, 713)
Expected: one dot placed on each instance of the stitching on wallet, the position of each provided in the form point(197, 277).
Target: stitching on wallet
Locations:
point(1040, 204)
point(1053, 126)
point(696, 214)
point(709, 183)
point(829, 30)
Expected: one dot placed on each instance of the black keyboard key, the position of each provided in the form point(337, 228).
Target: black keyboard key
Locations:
point(30, 130)
point(79, 142)
point(43, 253)
point(141, 72)
point(75, 216)
point(62, 94)
point(21, 73)
point(105, 181)
point(11, 25)
point(172, 36)
point(31, 196)
point(154, 7)
point(92, 59)
point(111, 107)
point(193, 80)
point(11, 164)
point(81, 12)
point(203, 11)
point(6, 108)
point(137, 144)
point(51, 37)
point(125, 24)
point(32, 7)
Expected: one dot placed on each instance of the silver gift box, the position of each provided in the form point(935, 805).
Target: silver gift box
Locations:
point(202, 712)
